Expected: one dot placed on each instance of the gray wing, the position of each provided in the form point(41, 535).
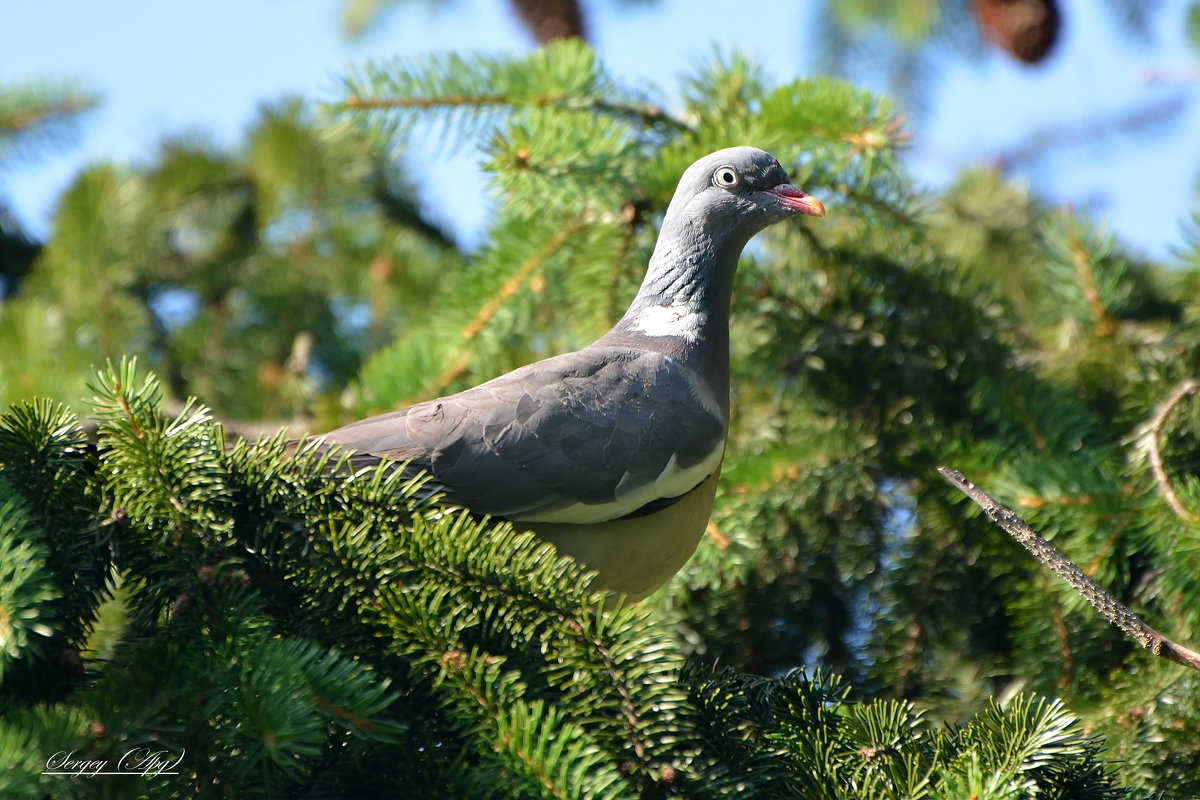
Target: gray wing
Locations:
point(583, 437)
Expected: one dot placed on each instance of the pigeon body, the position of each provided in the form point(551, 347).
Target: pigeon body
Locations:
point(611, 452)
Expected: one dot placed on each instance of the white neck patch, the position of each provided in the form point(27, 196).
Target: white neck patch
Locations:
point(676, 319)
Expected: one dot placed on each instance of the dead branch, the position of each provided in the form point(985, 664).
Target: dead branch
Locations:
point(1153, 432)
point(1099, 598)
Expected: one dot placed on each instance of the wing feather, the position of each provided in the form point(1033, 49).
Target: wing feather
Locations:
point(582, 437)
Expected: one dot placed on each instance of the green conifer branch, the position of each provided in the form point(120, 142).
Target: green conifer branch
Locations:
point(483, 564)
point(523, 272)
point(562, 77)
point(506, 570)
point(27, 593)
point(648, 115)
point(37, 112)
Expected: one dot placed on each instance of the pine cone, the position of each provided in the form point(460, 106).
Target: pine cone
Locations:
point(550, 19)
point(1026, 29)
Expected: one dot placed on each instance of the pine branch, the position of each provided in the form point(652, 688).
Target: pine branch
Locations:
point(1081, 258)
point(22, 119)
point(467, 94)
point(38, 113)
point(477, 323)
point(629, 219)
point(1099, 598)
point(648, 115)
point(574, 613)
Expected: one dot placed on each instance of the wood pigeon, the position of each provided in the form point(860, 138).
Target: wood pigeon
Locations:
point(611, 452)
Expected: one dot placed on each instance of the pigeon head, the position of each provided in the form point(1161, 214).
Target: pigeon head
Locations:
point(682, 307)
point(721, 202)
point(734, 193)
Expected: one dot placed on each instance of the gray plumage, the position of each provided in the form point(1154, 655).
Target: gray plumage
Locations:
point(552, 438)
point(611, 450)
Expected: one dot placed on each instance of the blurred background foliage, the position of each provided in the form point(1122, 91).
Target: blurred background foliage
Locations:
point(273, 268)
point(294, 280)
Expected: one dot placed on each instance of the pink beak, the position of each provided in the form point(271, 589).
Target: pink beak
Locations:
point(793, 198)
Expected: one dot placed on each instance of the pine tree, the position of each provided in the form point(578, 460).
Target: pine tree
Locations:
point(851, 627)
point(34, 117)
point(234, 272)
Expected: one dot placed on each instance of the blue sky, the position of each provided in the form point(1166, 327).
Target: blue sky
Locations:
point(163, 68)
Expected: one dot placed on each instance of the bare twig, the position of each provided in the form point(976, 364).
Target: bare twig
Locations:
point(1153, 431)
point(1100, 599)
point(1184, 73)
point(1094, 132)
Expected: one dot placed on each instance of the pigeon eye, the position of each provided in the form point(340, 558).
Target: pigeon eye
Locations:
point(726, 177)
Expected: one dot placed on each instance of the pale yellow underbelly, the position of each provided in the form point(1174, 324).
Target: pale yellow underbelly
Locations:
point(636, 556)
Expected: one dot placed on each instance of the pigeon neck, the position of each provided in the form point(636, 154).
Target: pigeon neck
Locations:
point(682, 307)
point(686, 291)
